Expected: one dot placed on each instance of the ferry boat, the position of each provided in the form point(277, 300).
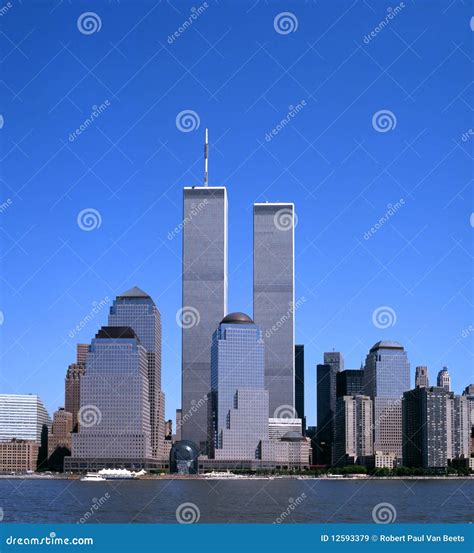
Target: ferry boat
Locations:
point(92, 477)
point(220, 475)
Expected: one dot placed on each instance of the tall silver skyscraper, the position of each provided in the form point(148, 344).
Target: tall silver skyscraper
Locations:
point(386, 378)
point(274, 297)
point(204, 300)
point(135, 309)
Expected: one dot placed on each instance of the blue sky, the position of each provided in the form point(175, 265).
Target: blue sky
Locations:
point(240, 76)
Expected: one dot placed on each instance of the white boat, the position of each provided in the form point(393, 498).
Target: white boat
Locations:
point(92, 477)
point(220, 475)
point(120, 474)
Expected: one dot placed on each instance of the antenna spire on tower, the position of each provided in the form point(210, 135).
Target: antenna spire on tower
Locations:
point(206, 159)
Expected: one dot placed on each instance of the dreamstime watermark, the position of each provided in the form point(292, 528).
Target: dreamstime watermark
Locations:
point(97, 307)
point(292, 113)
point(471, 219)
point(2, 121)
point(187, 120)
point(384, 120)
point(392, 209)
point(195, 14)
point(285, 412)
point(97, 111)
point(285, 23)
point(285, 317)
point(5, 205)
point(467, 331)
point(285, 219)
point(89, 219)
point(188, 317)
point(292, 505)
point(384, 513)
point(188, 513)
point(89, 415)
point(384, 317)
point(467, 135)
point(391, 14)
point(89, 23)
point(195, 209)
point(5, 8)
point(195, 407)
point(2, 318)
point(96, 505)
point(2, 514)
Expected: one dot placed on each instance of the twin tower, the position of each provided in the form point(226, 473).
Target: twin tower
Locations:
point(205, 271)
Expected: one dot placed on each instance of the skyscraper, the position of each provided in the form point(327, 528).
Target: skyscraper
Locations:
point(349, 382)
point(353, 430)
point(22, 417)
point(444, 379)
point(435, 427)
point(72, 403)
point(274, 297)
point(299, 385)
point(239, 402)
point(115, 411)
point(386, 378)
point(204, 300)
point(326, 387)
point(136, 309)
point(421, 377)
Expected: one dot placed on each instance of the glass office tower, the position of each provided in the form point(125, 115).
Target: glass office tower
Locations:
point(239, 402)
point(204, 300)
point(136, 309)
point(273, 298)
point(22, 417)
point(386, 378)
point(114, 419)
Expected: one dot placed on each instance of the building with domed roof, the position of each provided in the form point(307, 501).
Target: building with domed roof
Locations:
point(386, 378)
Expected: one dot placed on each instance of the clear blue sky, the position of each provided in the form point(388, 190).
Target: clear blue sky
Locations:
point(240, 76)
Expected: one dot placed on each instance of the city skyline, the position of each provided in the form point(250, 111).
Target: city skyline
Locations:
point(329, 160)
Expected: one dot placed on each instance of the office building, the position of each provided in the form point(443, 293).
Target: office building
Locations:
point(274, 297)
point(350, 382)
point(114, 418)
point(204, 299)
point(421, 377)
point(278, 427)
point(444, 379)
point(60, 436)
point(386, 378)
point(239, 401)
point(18, 456)
point(136, 309)
point(22, 417)
point(72, 403)
point(326, 389)
point(81, 353)
point(299, 385)
point(177, 436)
point(353, 442)
point(435, 427)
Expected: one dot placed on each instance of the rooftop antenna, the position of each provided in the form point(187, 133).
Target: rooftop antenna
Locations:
point(206, 159)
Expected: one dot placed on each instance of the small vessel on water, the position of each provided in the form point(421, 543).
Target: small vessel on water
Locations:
point(112, 474)
point(92, 477)
point(220, 475)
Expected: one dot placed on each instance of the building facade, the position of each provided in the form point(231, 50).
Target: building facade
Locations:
point(386, 378)
point(299, 385)
point(239, 402)
point(22, 417)
point(114, 418)
point(204, 299)
point(61, 430)
point(353, 442)
point(274, 297)
point(350, 382)
point(136, 309)
point(18, 456)
point(444, 379)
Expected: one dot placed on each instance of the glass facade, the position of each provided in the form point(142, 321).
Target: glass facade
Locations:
point(137, 310)
point(386, 378)
point(115, 420)
point(273, 298)
point(239, 401)
point(204, 300)
point(22, 417)
point(299, 385)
